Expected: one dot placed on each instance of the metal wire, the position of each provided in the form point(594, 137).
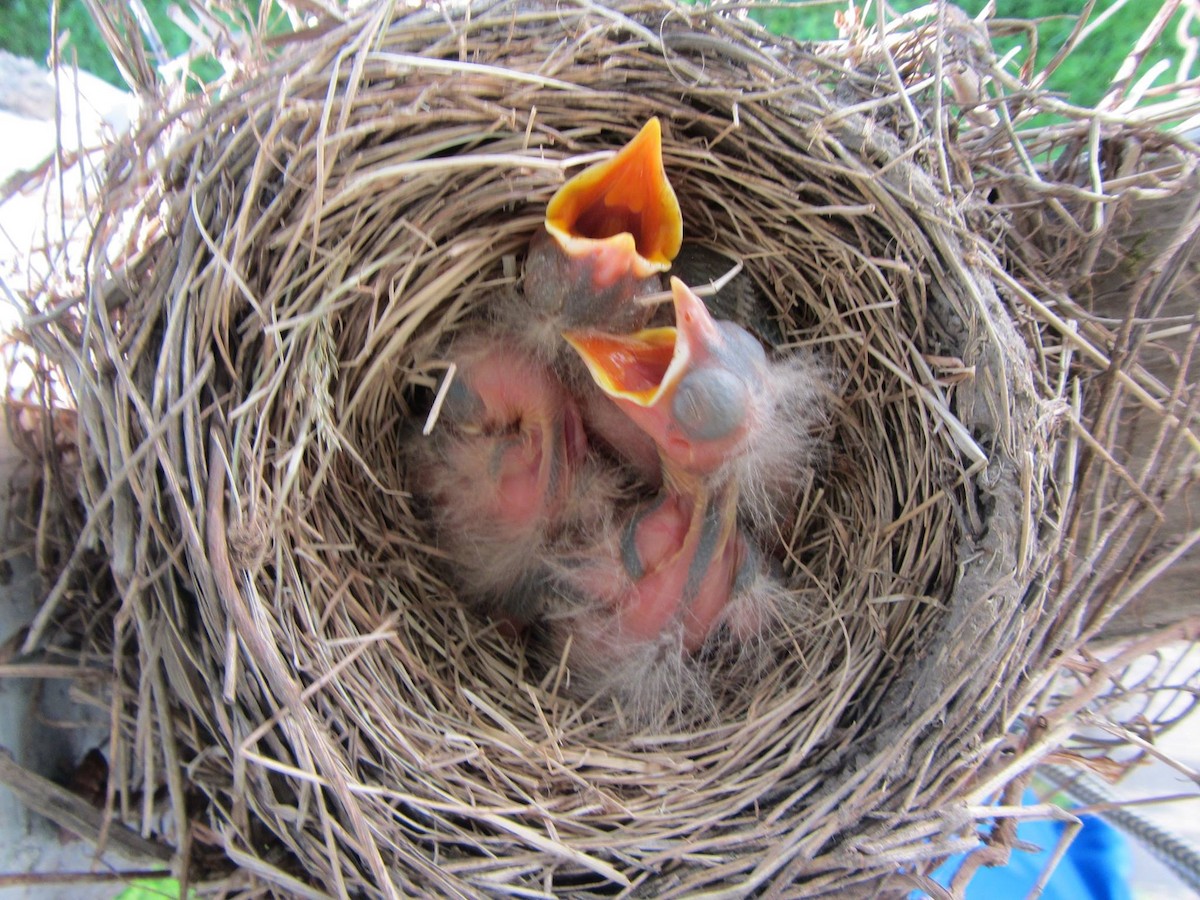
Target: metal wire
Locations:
point(1179, 855)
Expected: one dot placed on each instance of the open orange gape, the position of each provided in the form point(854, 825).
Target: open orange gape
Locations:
point(642, 578)
point(691, 387)
point(623, 211)
point(609, 232)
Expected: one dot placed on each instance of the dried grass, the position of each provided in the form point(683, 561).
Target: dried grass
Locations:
point(274, 262)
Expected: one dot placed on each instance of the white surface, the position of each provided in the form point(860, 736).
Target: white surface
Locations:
point(1156, 779)
point(89, 113)
point(40, 724)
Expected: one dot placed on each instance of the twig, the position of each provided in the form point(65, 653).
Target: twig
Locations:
point(41, 879)
point(74, 814)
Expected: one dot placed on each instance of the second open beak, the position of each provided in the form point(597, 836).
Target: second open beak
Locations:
point(688, 386)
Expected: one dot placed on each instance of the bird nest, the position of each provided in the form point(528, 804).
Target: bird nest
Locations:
point(274, 267)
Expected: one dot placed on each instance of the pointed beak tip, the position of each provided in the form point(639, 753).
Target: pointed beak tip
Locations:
point(628, 193)
point(647, 141)
point(690, 311)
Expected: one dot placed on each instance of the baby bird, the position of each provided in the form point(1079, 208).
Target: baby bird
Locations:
point(717, 408)
point(609, 233)
point(674, 605)
point(643, 601)
point(682, 594)
point(507, 476)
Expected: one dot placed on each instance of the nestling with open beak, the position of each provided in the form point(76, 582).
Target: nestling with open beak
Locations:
point(681, 578)
point(609, 233)
point(507, 476)
point(718, 409)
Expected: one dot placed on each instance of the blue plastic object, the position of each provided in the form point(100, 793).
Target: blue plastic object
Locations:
point(1096, 866)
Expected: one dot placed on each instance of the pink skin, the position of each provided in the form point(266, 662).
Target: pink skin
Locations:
point(669, 544)
point(709, 602)
point(609, 232)
point(693, 389)
point(715, 406)
point(613, 429)
point(525, 444)
point(502, 472)
point(679, 558)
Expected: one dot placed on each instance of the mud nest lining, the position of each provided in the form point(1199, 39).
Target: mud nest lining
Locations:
point(273, 271)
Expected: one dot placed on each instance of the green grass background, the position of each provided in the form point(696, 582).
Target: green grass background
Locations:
point(25, 30)
point(1086, 73)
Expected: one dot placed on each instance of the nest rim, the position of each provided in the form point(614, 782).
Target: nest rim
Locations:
point(331, 374)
